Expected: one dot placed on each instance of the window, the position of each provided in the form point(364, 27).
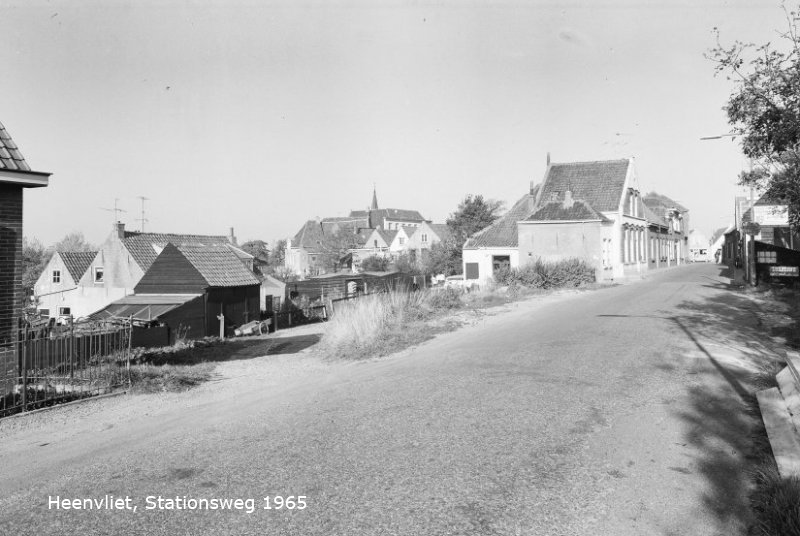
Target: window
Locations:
point(500, 262)
point(64, 311)
point(56, 276)
point(472, 270)
point(98, 274)
point(44, 312)
point(402, 240)
point(424, 238)
point(767, 257)
point(375, 242)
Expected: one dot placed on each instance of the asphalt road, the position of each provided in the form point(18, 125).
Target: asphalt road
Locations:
point(616, 411)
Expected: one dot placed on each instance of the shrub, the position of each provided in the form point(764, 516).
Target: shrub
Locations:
point(547, 274)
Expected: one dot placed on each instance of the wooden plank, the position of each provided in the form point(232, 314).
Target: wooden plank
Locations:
point(782, 435)
point(791, 395)
point(793, 362)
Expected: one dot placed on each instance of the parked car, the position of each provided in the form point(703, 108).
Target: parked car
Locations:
point(459, 282)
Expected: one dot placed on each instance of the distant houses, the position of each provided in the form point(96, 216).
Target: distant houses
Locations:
point(592, 211)
point(319, 246)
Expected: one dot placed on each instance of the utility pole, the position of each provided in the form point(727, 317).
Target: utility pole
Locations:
point(143, 219)
point(115, 210)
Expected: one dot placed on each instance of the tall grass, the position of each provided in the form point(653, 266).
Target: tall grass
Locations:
point(371, 324)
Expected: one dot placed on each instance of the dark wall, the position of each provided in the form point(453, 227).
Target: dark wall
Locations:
point(10, 260)
point(187, 321)
point(239, 305)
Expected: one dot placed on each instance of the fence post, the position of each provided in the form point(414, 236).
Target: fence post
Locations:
point(130, 344)
point(71, 340)
point(23, 346)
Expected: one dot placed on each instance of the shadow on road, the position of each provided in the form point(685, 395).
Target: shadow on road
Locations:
point(730, 344)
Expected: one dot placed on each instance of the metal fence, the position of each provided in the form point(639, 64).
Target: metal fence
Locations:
point(63, 363)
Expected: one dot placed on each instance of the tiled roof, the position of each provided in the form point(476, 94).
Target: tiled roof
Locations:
point(218, 265)
point(10, 157)
point(145, 247)
point(409, 230)
point(441, 230)
point(308, 236)
point(661, 205)
point(394, 214)
point(598, 183)
point(652, 217)
point(77, 262)
point(654, 199)
point(557, 211)
point(312, 232)
point(503, 232)
point(388, 236)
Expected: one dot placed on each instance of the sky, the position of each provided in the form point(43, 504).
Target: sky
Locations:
point(261, 115)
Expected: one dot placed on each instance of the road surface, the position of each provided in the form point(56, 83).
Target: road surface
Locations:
point(615, 411)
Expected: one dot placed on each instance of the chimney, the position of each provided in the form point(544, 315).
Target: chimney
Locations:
point(119, 229)
point(548, 158)
point(232, 238)
point(531, 190)
point(568, 201)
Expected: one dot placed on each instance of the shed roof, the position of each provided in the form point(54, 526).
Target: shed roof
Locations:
point(218, 265)
point(143, 306)
point(77, 262)
point(503, 232)
point(598, 183)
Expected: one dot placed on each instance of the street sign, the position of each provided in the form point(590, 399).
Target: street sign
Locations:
point(784, 271)
point(751, 227)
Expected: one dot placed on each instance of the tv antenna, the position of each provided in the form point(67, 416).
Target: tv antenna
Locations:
point(143, 219)
point(116, 210)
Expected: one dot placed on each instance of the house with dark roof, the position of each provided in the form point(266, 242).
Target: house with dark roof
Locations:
point(669, 230)
point(588, 210)
point(15, 175)
point(189, 289)
point(56, 292)
point(126, 256)
point(309, 252)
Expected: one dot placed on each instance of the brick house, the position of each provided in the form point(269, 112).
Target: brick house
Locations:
point(15, 176)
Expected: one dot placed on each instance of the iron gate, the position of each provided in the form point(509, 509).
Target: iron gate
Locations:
point(58, 364)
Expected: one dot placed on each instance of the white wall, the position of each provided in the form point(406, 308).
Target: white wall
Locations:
point(483, 257)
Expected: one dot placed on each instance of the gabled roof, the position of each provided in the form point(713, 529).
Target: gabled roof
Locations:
point(661, 205)
point(312, 233)
point(218, 265)
point(145, 247)
point(394, 214)
point(598, 184)
point(409, 230)
point(441, 230)
point(77, 262)
point(558, 211)
point(652, 217)
point(10, 157)
point(503, 232)
point(387, 235)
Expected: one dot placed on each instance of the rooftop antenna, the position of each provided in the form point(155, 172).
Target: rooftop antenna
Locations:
point(143, 219)
point(115, 210)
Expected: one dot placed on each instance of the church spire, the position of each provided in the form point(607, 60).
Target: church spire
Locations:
point(374, 199)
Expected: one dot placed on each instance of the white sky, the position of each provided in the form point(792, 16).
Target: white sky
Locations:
point(261, 115)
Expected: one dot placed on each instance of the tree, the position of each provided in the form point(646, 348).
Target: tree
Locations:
point(278, 254)
point(334, 247)
point(374, 263)
point(34, 258)
point(764, 110)
point(474, 213)
point(259, 250)
point(73, 241)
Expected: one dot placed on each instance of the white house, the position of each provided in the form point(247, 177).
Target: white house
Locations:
point(57, 293)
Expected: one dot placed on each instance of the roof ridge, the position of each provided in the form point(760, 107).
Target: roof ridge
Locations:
point(590, 162)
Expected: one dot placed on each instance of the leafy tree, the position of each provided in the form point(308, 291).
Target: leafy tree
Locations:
point(278, 254)
point(34, 258)
point(375, 263)
point(764, 110)
point(406, 262)
point(74, 241)
point(443, 258)
point(473, 214)
point(259, 250)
